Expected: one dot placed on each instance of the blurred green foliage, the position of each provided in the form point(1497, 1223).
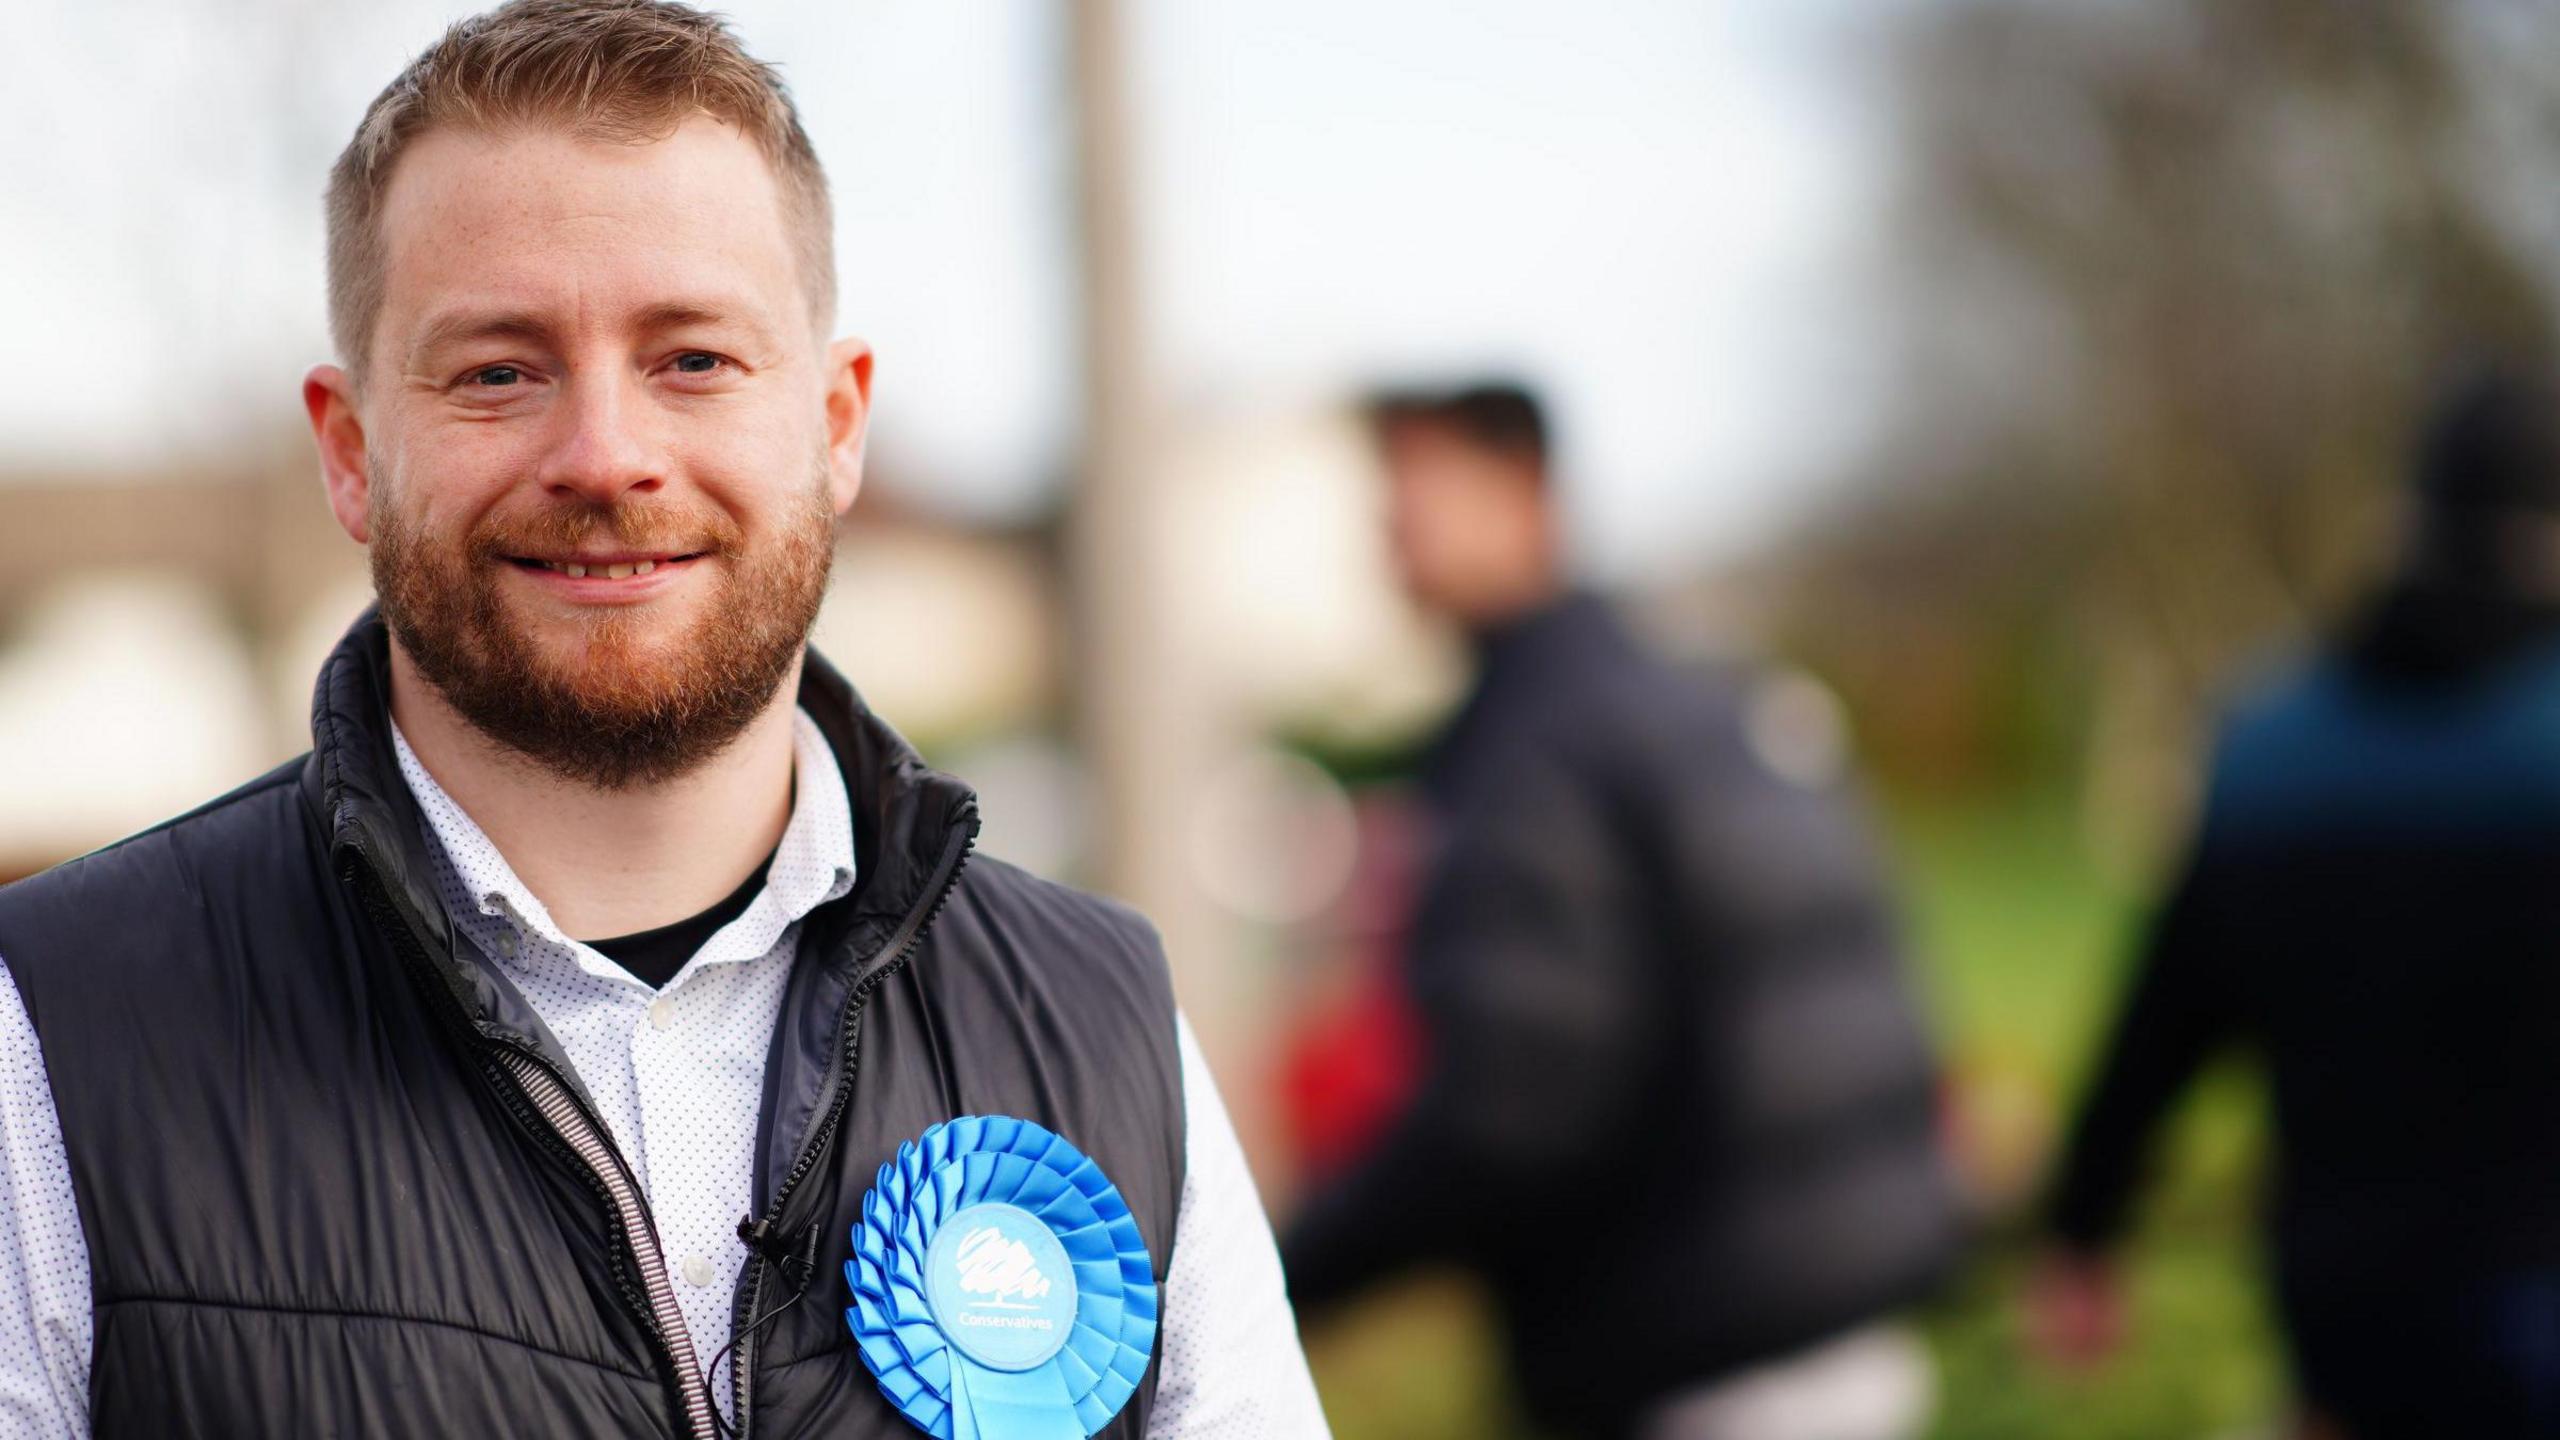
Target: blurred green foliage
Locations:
point(2021, 944)
point(2023, 947)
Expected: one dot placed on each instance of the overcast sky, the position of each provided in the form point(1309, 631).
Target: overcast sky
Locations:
point(1666, 212)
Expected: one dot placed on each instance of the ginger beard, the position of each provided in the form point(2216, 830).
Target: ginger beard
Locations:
point(607, 696)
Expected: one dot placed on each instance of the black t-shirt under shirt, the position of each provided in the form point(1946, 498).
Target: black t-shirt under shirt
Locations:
point(656, 955)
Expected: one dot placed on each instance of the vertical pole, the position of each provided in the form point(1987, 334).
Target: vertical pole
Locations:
point(1147, 729)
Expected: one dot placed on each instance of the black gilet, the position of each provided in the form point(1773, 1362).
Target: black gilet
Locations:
point(317, 1200)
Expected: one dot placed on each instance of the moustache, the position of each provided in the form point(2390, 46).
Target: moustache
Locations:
point(582, 527)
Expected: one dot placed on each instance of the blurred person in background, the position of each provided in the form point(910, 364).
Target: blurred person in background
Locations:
point(492, 1068)
point(2370, 902)
point(1676, 1106)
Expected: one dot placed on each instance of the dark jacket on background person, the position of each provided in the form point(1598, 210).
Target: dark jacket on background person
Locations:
point(337, 1178)
point(1677, 1106)
point(2371, 904)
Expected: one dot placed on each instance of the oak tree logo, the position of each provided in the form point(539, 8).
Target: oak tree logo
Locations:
point(998, 1268)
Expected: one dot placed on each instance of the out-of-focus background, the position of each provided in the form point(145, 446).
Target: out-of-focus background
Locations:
point(2022, 373)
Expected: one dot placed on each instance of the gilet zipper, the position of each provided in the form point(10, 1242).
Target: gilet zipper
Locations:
point(898, 949)
point(549, 1108)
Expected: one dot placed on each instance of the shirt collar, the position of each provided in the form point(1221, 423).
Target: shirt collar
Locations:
point(813, 863)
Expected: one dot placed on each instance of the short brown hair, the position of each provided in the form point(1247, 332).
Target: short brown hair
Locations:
point(627, 71)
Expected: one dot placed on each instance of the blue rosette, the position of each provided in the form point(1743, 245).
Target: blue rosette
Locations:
point(1000, 1288)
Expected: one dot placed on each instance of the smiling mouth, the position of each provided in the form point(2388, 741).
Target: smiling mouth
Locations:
point(622, 568)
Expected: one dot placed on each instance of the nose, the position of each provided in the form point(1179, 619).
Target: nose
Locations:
point(601, 446)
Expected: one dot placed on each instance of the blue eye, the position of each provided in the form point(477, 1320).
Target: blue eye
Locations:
point(497, 375)
point(696, 362)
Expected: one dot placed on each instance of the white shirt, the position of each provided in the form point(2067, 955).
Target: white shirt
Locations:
point(677, 1075)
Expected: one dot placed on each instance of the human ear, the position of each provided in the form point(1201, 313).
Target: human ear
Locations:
point(329, 395)
point(848, 401)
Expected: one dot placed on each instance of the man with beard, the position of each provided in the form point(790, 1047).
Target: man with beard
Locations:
point(595, 1031)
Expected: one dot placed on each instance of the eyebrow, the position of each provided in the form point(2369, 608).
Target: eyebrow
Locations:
point(677, 314)
point(454, 329)
point(467, 325)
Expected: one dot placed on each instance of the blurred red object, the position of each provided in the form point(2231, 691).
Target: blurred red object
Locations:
point(1350, 1064)
point(1347, 1074)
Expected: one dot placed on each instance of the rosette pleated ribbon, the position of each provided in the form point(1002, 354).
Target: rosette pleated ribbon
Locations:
point(1001, 1290)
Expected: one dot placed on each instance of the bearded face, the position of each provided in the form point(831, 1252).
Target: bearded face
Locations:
point(679, 633)
point(598, 446)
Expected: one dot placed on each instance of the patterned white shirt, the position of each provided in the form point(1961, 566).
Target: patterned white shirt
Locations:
point(677, 1076)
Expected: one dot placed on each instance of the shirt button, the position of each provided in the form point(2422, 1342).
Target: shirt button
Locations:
point(662, 1014)
point(697, 1271)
